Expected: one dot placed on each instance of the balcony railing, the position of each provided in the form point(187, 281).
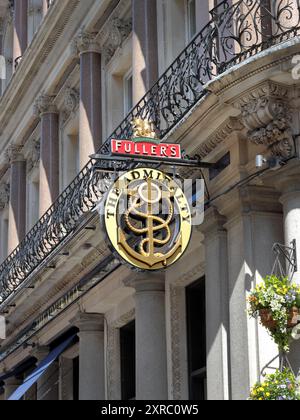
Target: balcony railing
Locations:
point(235, 32)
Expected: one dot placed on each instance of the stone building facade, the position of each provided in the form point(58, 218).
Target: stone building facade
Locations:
point(221, 79)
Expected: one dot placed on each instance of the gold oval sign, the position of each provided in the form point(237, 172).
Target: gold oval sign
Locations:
point(148, 219)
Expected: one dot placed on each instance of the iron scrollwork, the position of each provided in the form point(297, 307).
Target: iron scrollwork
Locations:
point(236, 31)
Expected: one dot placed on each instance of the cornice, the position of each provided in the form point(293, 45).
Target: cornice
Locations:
point(230, 126)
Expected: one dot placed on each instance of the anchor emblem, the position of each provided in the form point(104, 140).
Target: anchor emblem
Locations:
point(148, 219)
point(155, 230)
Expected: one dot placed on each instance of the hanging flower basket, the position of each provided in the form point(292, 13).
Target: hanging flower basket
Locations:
point(267, 320)
point(281, 386)
point(276, 303)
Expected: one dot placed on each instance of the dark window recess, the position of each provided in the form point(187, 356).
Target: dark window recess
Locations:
point(76, 379)
point(222, 164)
point(196, 332)
point(127, 342)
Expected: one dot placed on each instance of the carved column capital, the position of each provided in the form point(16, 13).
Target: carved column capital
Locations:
point(4, 195)
point(15, 154)
point(268, 117)
point(87, 322)
point(44, 104)
point(146, 282)
point(213, 223)
point(85, 42)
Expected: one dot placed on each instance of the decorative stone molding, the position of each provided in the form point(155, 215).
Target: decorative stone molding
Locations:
point(4, 195)
point(267, 116)
point(115, 33)
point(85, 42)
point(113, 355)
point(71, 104)
point(219, 136)
point(33, 155)
point(116, 29)
point(15, 153)
point(44, 105)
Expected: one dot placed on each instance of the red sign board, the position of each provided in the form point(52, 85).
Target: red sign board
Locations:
point(132, 148)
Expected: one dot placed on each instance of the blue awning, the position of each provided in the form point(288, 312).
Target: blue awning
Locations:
point(40, 370)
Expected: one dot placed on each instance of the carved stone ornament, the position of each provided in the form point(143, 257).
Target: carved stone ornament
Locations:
point(34, 155)
point(268, 119)
point(44, 105)
point(115, 33)
point(4, 195)
point(71, 103)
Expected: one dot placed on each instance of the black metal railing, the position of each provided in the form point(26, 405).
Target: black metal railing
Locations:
point(234, 33)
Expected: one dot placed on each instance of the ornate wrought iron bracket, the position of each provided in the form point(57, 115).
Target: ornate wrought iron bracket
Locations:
point(110, 163)
point(289, 254)
point(283, 363)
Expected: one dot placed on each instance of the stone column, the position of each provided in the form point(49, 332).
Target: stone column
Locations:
point(217, 312)
point(254, 225)
point(144, 47)
point(10, 386)
point(17, 204)
point(151, 349)
point(288, 182)
point(20, 28)
point(48, 384)
point(91, 356)
point(49, 152)
point(90, 109)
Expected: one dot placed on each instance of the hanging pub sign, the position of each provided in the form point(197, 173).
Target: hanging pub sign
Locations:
point(148, 219)
point(145, 144)
point(147, 216)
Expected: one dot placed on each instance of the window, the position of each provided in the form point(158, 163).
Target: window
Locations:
point(191, 19)
point(70, 166)
point(128, 96)
point(127, 342)
point(196, 333)
point(76, 379)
